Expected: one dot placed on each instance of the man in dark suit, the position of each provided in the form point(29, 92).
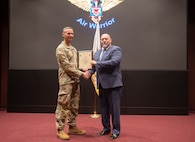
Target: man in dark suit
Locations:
point(106, 64)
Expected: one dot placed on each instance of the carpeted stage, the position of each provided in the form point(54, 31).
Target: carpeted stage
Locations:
point(40, 127)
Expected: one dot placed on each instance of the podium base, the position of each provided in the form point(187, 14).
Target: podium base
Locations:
point(94, 115)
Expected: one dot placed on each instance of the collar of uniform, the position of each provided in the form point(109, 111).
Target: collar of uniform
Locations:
point(65, 45)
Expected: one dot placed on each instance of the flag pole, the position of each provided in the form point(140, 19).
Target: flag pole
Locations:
point(95, 115)
point(96, 46)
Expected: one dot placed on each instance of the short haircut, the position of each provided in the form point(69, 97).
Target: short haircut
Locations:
point(65, 28)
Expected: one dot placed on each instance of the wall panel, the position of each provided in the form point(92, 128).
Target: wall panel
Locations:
point(144, 92)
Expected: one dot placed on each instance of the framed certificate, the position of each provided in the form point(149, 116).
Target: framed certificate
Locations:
point(84, 59)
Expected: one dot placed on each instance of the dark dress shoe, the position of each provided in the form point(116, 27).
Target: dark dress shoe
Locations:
point(103, 132)
point(114, 136)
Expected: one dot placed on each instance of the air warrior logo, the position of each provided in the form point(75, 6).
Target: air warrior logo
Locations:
point(95, 9)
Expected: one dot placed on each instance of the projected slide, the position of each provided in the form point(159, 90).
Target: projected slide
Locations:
point(151, 33)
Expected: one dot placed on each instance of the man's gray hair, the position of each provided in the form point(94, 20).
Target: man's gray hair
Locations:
point(65, 28)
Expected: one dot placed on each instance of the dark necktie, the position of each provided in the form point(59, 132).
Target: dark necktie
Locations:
point(102, 54)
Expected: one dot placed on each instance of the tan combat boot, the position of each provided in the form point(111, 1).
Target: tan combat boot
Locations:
point(76, 131)
point(62, 135)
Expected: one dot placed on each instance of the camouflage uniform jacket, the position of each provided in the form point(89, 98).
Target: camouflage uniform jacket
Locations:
point(68, 71)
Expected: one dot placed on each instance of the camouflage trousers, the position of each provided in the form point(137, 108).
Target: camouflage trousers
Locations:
point(67, 105)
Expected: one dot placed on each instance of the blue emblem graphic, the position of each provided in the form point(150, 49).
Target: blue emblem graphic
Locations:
point(96, 8)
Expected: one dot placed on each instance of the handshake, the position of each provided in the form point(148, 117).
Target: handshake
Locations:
point(86, 74)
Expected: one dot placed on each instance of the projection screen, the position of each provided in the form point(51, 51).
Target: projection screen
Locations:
point(151, 33)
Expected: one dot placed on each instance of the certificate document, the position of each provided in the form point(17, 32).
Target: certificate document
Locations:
point(84, 59)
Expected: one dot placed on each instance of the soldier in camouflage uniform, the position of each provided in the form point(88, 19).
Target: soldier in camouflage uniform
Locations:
point(69, 89)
